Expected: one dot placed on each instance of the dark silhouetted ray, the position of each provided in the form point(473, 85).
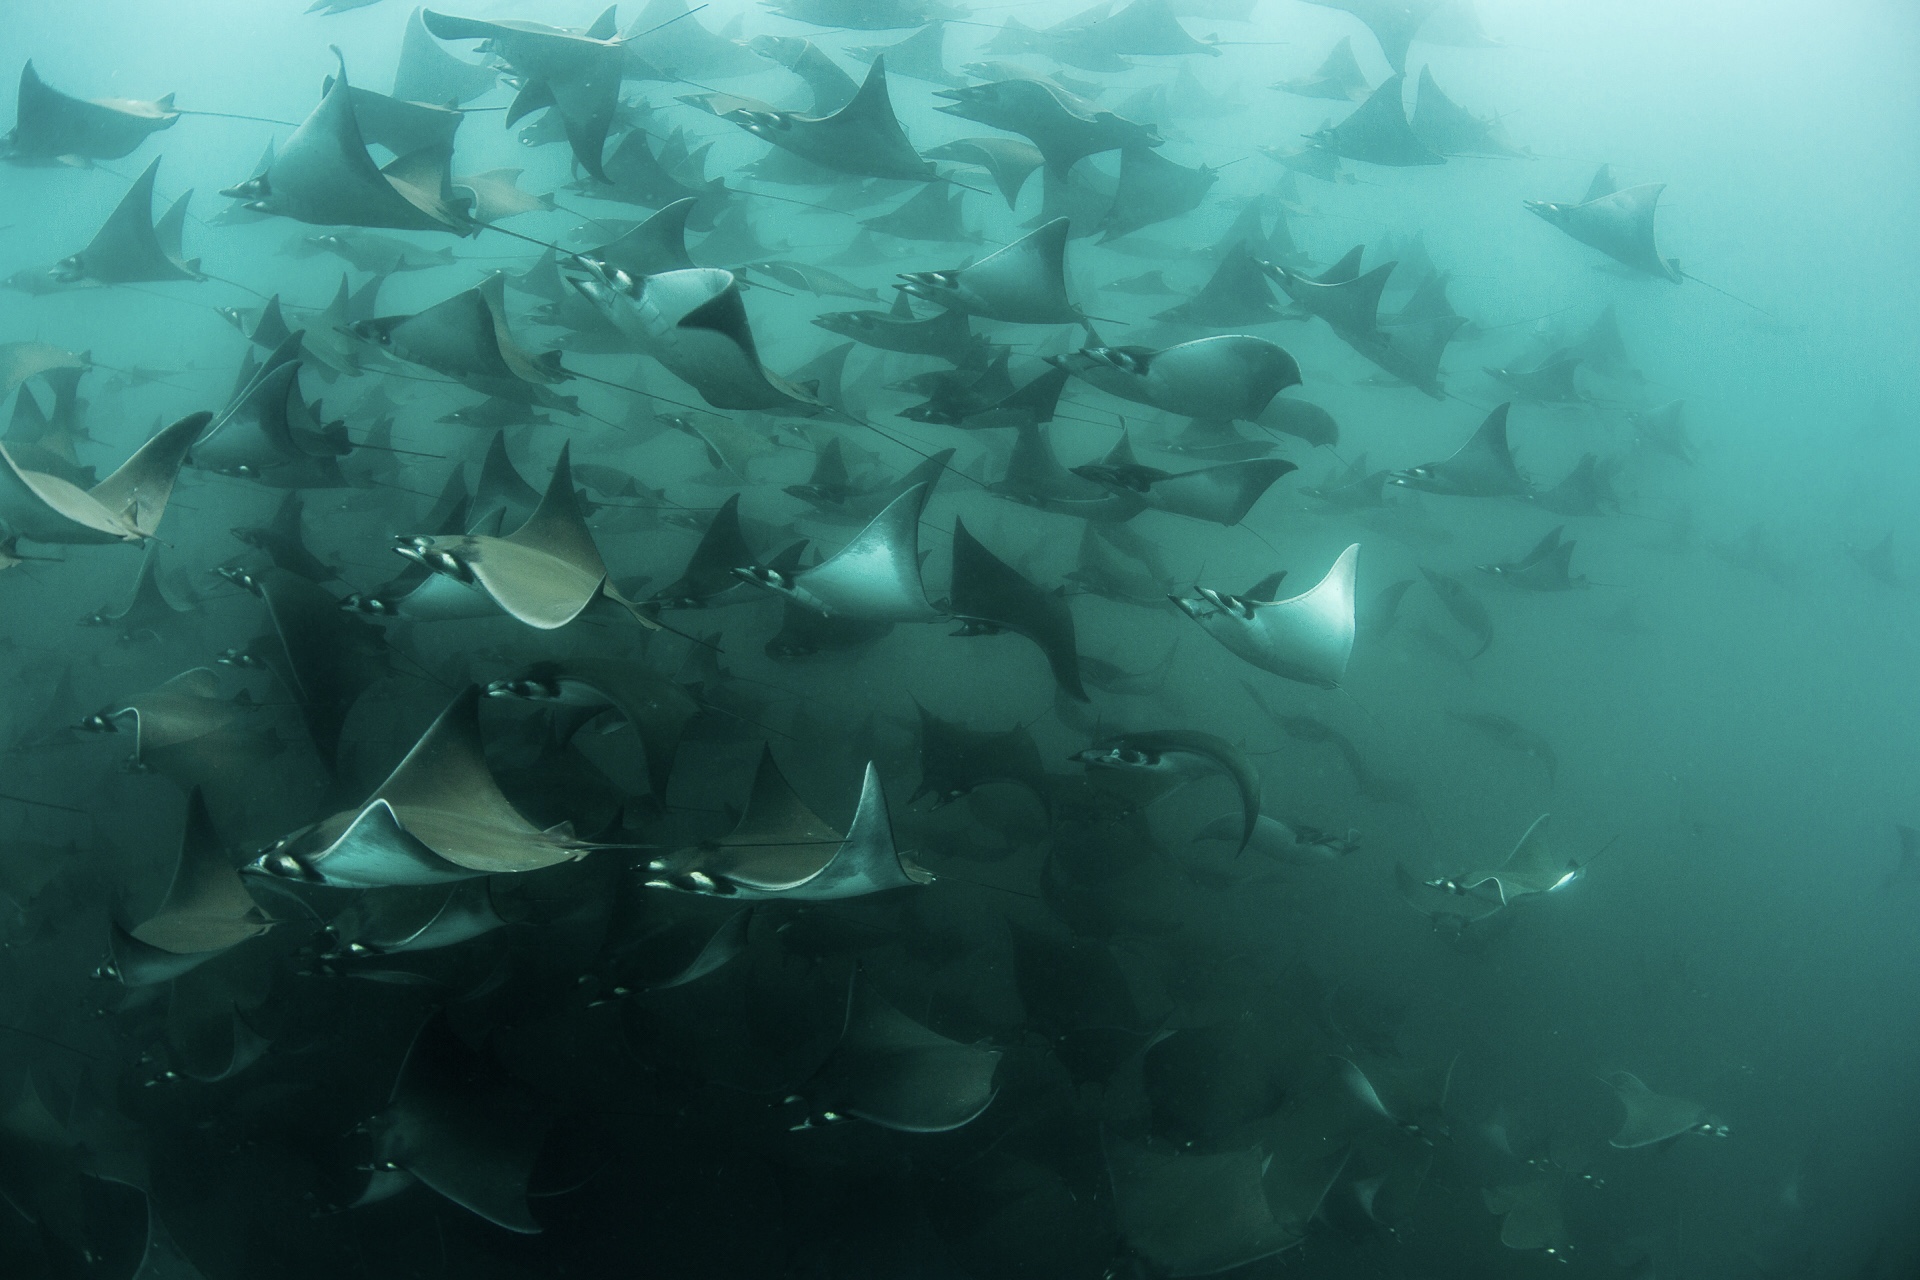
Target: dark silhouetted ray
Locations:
point(1513, 736)
point(694, 323)
point(577, 76)
point(207, 910)
point(147, 608)
point(581, 689)
point(1192, 1213)
point(460, 1125)
point(1221, 494)
point(467, 338)
point(1481, 468)
point(1181, 753)
point(1393, 22)
point(1338, 77)
point(1378, 132)
point(891, 1071)
point(864, 137)
point(1449, 129)
point(932, 213)
point(1153, 189)
point(1064, 127)
point(831, 87)
point(325, 657)
point(1618, 224)
point(1587, 490)
point(428, 73)
point(1547, 567)
point(1024, 283)
point(946, 334)
point(1463, 607)
point(990, 596)
point(130, 248)
point(323, 175)
point(50, 125)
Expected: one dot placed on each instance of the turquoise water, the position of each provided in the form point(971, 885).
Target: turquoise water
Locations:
point(531, 1032)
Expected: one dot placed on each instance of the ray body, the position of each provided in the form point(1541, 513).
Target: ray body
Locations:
point(1651, 1118)
point(1547, 567)
point(1513, 736)
point(695, 324)
point(467, 338)
point(1449, 129)
point(864, 137)
point(874, 578)
point(947, 334)
point(955, 760)
point(1618, 224)
point(1153, 189)
point(1177, 752)
point(1338, 77)
point(1481, 468)
point(1008, 161)
point(124, 507)
point(1195, 1213)
point(438, 818)
point(782, 849)
point(1232, 376)
point(579, 690)
point(544, 574)
point(1663, 429)
point(893, 1072)
point(1463, 607)
point(147, 608)
point(1023, 283)
point(428, 73)
point(459, 1125)
point(324, 656)
point(577, 75)
point(1378, 131)
point(1064, 127)
point(1587, 490)
point(1221, 494)
point(207, 910)
point(50, 125)
point(1289, 842)
point(1394, 23)
point(1307, 637)
point(1533, 1213)
point(322, 174)
point(1532, 868)
point(990, 596)
point(272, 434)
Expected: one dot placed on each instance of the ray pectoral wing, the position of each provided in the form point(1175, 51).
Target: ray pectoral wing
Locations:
point(867, 861)
point(875, 577)
point(376, 851)
point(1308, 637)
